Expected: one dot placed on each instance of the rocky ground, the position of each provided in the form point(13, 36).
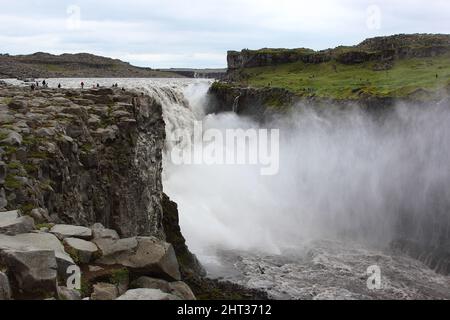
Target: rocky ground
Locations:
point(37, 262)
point(329, 270)
point(70, 159)
point(81, 65)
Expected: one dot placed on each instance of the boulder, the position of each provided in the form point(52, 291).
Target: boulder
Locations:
point(147, 294)
point(150, 257)
point(5, 289)
point(182, 290)
point(82, 249)
point(11, 223)
point(111, 247)
point(104, 291)
point(45, 132)
point(100, 232)
point(33, 273)
point(63, 231)
point(38, 241)
point(40, 215)
point(177, 288)
point(65, 293)
point(151, 283)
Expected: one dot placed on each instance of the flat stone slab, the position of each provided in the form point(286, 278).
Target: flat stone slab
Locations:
point(35, 242)
point(83, 249)
point(11, 223)
point(63, 231)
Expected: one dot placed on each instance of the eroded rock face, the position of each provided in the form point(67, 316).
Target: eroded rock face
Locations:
point(84, 157)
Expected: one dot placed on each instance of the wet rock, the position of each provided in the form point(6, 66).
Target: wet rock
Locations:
point(151, 257)
point(65, 293)
point(5, 288)
point(82, 249)
point(104, 291)
point(147, 294)
point(63, 231)
point(33, 273)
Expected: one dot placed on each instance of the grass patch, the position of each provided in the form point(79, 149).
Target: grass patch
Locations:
point(339, 81)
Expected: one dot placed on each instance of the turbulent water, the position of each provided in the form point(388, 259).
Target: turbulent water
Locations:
point(348, 185)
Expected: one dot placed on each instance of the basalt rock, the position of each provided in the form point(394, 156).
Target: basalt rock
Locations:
point(97, 161)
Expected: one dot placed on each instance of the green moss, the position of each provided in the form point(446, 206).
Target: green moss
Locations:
point(87, 147)
point(73, 254)
point(26, 208)
point(9, 150)
point(7, 100)
point(14, 165)
point(119, 276)
point(86, 287)
point(39, 155)
point(12, 183)
point(30, 168)
point(3, 135)
point(46, 185)
point(44, 225)
point(218, 85)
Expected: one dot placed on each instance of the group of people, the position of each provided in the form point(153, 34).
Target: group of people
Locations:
point(115, 85)
point(35, 85)
point(44, 84)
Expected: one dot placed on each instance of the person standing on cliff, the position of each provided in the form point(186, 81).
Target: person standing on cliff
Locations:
point(82, 84)
point(59, 85)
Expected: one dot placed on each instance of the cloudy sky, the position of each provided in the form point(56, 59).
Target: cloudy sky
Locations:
point(197, 33)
